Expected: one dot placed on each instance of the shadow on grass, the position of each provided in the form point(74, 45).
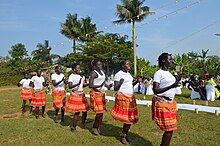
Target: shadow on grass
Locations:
point(26, 109)
point(107, 130)
point(110, 130)
point(68, 119)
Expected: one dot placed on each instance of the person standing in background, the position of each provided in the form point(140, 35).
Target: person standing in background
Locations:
point(26, 93)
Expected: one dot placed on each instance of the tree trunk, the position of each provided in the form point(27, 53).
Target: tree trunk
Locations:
point(74, 46)
point(107, 66)
point(134, 46)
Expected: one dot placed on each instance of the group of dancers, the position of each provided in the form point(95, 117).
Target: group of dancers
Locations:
point(125, 108)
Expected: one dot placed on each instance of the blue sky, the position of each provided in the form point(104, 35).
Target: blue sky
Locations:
point(190, 28)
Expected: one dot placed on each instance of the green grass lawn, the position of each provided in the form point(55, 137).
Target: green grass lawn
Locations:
point(201, 129)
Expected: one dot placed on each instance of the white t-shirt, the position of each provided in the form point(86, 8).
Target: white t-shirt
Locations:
point(25, 83)
point(165, 78)
point(127, 85)
point(38, 82)
point(74, 79)
point(57, 79)
point(99, 80)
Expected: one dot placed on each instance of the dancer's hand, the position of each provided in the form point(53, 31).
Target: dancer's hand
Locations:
point(174, 85)
point(80, 81)
point(121, 81)
point(103, 84)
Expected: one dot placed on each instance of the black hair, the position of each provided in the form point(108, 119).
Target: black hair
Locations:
point(162, 57)
point(56, 67)
point(38, 70)
point(122, 63)
point(74, 65)
point(94, 62)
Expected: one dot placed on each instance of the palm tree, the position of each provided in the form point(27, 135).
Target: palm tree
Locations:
point(88, 30)
point(82, 30)
point(132, 11)
point(182, 61)
point(71, 29)
point(43, 52)
point(204, 57)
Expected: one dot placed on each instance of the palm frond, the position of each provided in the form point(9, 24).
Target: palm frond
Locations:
point(131, 10)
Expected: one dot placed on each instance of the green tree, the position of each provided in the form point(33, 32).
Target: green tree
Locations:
point(18, 51)
point(17, 62)
point(4, 59)
point(88, 30)
point(194, 65)
point(71, 29)
point(78, 30)
point(213, 65)
point(203, 56)
point(132, 11)
point(198, 62)
point(142, 66)
point(145, 69)
point(182, 61)
point(110, 48)
point(43, 53)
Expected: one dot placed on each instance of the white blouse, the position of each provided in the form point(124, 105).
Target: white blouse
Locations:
point(165, 78)
point(127, 85)
point(58, 78)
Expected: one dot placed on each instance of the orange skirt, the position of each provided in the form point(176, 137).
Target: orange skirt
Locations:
point(26, 94)
point(38, 99)
point(125, 109)
point(59, 98)
point(77, 102)
point(97, 102)
point(164, 114)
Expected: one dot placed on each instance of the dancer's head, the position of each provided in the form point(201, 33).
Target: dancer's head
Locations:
point(97, 64)
point(39, 72)
point(125, 65)
point(76, 68)
point(58, 69)
point(165, 60)
point(26, 76)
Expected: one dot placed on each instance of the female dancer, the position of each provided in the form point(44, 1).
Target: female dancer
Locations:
point(39, 97)
point(26, 91)
point(125, 108)
point(58, 93)
point(77, 101)
point(163, 103)
point(97, 95)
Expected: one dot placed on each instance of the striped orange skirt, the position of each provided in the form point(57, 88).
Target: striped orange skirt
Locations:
point(125, 109)
point(164, 114)
point(59, 98)
point(26, 94)
point(97, 102)
point(38, 99)
point(77, 102)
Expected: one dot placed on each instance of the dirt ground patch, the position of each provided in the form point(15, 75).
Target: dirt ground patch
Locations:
point(10, 116)
point(13, 88)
